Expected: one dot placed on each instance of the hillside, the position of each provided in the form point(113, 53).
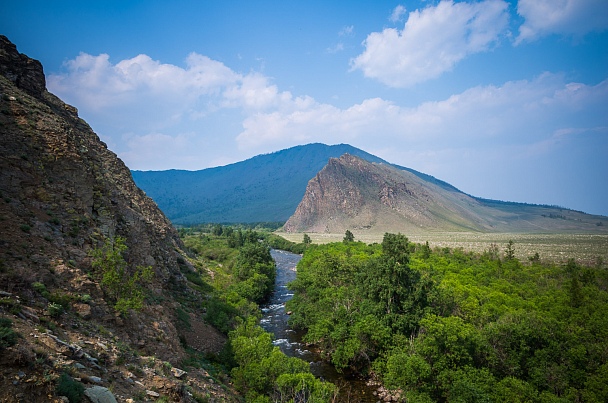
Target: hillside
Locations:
point(352, 193)
point(63, 195)
point(264, 188)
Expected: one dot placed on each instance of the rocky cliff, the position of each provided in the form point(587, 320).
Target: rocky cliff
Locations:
point(354, 194)
point(62, 194)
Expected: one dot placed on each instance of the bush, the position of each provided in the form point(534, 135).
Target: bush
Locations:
point(125, 290)
point(8, 337)
point(54, 310)
point(68, 387)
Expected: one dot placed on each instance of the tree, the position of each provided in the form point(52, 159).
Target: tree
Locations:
point(307, 241)
point(575, 289)
point(426, 250)
point(125, 290)
point(510, 251)
point(217, 230)
point(348, 237)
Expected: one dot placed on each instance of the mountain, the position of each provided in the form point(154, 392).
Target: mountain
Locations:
point(356, 194)
point(62, 194)
point(264, 188)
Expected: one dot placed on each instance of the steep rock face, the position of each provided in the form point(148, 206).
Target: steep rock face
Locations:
point(62, 193)
point(354, 194)
point(25, 73)
point(351, 193)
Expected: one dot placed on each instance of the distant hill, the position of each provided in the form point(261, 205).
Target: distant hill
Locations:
point(269, 188)
point(352, 193)
point(266, 188)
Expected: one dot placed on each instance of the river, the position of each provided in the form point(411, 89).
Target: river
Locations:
point(274, 320)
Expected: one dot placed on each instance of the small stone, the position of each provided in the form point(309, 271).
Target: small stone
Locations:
point(178, 373)
point(152, 393)
point(94, 379)
point(82, 310)
point(30, 314)
point(79, 365)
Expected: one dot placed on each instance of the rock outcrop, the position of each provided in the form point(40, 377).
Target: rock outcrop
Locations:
point(354, 194)
point(351, 193)
point(62, 194)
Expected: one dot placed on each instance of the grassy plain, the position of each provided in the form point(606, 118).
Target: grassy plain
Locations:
point(584, 248)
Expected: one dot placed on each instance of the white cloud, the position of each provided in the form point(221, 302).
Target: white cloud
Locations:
point(347, 31)
point(564, 17)
point(339, 47)
point(432, 41)
point(150, 96)
point(160, 116)
point(397, 13)
point(518, 112)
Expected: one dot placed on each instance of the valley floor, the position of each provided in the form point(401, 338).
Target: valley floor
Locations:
point(584, 248)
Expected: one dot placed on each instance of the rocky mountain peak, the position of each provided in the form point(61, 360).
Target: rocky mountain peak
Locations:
point(27, 74)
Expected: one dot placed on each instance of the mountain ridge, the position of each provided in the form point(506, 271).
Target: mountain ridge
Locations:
point(351, 193)
point(266, 187)
point(269, 187)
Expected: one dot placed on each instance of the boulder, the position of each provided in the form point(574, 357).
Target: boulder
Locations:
point(99, 394)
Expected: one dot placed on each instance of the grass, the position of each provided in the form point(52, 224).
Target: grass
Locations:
point(584, 248)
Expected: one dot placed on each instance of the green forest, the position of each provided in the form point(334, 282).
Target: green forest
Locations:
point(445, 325)
point(243, 277)
point(432, 324)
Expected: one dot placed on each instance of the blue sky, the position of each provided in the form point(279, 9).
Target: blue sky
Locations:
point(503, 99)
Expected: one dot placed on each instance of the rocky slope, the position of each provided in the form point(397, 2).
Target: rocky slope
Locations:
point(352, 193)
point(62, 193)
point(267, 187)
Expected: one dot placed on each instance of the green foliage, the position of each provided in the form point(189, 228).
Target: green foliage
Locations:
point(348, 237)
point(68, 387)
point(264, 371)
point(245, 277)
point(255, 272)
point(55, 310)
point(510, 251)
point(452, 326)
point(8, 337)
point(124, 287)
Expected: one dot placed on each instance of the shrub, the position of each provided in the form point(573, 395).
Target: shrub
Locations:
point(8, 337)
point(54, 309)
point(68, 387)
point(126, 290)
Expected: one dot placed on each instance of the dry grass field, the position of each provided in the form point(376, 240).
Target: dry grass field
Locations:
point(584, 248)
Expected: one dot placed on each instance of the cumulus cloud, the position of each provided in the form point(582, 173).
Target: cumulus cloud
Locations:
point(397, 13)
point(203, 114)
point(564, 17)
point(516, 112)
point(432, 41)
